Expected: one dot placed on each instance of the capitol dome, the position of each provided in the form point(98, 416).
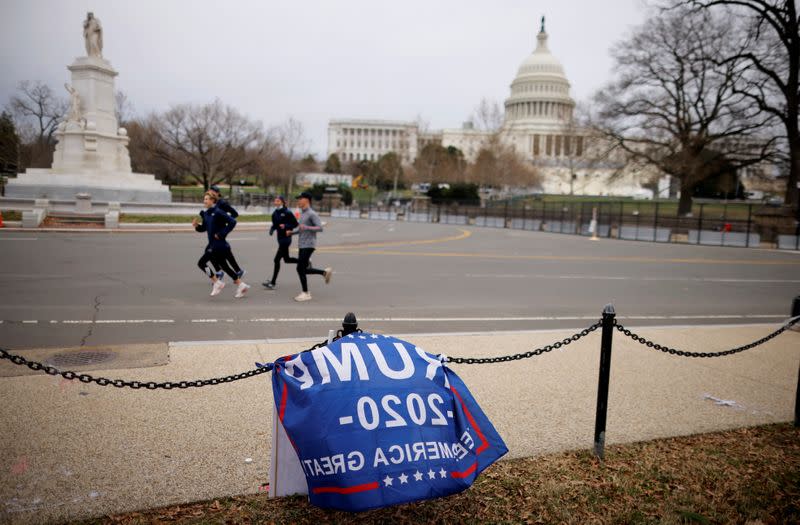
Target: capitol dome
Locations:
point(540, 91)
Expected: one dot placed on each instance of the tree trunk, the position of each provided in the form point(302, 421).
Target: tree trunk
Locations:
point(791, 197)
point(685, 202)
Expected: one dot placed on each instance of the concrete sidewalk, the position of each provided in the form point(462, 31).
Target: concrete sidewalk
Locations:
point(72, 450)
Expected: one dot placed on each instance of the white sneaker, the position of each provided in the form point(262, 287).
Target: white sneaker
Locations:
point(217, 287)
point(241, 290)
point(304, 296)
point(328, 273)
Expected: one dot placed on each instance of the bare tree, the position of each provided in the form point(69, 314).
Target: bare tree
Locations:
point(497, 163)
point(123, 107)
point(211, 143)
point(772, 50)
point(37, 110)
point(676, 105)
point(37, 105)
point(290, 146)
point(487, 116)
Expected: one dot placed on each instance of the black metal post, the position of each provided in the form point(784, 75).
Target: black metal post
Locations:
point(749, 219)
point(602, 385)
point(795, 313)
point(700, 224)
point(350, 324)
point(655, 224)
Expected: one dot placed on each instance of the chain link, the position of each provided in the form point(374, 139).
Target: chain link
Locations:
point(121, 383)
point(683, 353)
point(525, 355)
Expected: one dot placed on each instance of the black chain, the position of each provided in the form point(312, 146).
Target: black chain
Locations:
point(684, 353)
point(121, 383)
point(525, 355)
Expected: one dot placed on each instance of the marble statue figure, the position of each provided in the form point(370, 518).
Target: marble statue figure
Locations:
point(74, 114)
point(93, 36)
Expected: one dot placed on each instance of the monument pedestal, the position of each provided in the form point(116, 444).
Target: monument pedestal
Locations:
point(91, 155)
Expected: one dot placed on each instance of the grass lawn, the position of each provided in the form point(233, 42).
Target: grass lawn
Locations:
point(10, 215)
point(749, 475)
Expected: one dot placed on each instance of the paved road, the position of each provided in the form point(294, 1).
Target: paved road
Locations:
point(70, 289)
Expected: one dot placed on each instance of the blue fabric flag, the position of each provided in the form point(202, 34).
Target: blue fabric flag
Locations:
point(377, 421)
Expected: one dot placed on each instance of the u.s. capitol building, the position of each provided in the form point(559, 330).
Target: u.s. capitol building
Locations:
point(538, 123)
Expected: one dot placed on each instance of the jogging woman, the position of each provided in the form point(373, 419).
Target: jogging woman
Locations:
point(225, 206)
point(217, 224)
point(283, 222)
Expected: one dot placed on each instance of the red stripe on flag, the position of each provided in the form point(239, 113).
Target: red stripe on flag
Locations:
point(465, 473)
point(346, 490)
point(484, 443)
point(284, 395)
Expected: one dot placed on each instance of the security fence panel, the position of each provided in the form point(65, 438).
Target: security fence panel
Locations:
point(417, 217)
point(345, 213)
point(645, 233)
point(560, 227)
point(491, 222)
point(724, 238)
point(789, 242)
point(526, 224)
point(447, 218)
point(382, 215)
point(603, 230)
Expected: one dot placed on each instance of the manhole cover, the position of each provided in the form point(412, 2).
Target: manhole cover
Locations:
point(81, 358)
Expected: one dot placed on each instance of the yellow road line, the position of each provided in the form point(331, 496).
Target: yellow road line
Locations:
point(578, 258)
point(463, 235)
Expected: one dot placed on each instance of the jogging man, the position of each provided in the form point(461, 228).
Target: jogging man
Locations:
point(283, 222)
point(308, 227)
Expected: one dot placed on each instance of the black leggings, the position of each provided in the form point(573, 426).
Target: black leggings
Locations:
point(219, 258)
point(282, 253)
point(304, 267)
point(231, 260)
point(203, 263)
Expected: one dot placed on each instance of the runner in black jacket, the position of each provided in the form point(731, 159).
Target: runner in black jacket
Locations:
point(225, 206)
point(217, 224)
point(283, 221)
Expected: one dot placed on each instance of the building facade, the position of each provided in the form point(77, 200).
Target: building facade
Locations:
point(355, 140)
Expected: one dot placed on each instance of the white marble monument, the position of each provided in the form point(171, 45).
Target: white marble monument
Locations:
point(91, 155)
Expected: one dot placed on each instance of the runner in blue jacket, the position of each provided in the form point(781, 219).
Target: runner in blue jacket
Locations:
point(225, 206)
point(283, 222)
point(217, 224)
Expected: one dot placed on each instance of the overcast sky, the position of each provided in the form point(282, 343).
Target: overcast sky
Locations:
point(316, 60)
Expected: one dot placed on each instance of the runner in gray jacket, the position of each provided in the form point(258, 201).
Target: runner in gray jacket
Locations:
point(308, 227)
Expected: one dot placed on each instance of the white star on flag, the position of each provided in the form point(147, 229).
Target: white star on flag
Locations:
point(418, 476)
point(403, 478)
point(431, 474)
point(443, 472)
point(374, 336)
point(388, 480)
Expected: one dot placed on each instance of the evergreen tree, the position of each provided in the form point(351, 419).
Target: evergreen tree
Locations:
point(9, 145)
point(333, 164)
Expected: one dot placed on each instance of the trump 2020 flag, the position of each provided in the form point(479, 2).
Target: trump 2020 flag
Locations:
point(377, 421)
